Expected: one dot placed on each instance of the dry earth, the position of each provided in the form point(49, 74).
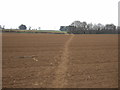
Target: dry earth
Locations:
point(60, 61)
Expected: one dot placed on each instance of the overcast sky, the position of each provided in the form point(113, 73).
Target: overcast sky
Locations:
point(51, 14)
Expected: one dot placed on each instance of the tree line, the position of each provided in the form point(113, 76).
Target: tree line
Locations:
point(21, 27)
point(78, 27)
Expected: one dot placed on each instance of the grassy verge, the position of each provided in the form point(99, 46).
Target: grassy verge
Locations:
point(33, 31)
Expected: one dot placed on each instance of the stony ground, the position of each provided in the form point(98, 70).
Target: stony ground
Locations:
point(60, 61)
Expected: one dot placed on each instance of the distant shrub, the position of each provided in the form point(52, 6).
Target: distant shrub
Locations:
point(22, 27)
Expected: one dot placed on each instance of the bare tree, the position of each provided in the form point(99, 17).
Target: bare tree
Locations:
point(39, 28)
point(0, 27)
point(29, 28)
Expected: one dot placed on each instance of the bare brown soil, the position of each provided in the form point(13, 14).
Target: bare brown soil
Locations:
point(60, 61)
point(93, 62)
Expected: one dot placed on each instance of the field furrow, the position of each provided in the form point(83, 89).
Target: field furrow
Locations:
point(59, 60)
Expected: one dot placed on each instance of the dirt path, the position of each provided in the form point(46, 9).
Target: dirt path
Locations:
point(60, 81)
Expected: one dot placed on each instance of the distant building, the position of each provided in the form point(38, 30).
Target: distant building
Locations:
point(62, 28)
point(66, 28)
point(110, 27)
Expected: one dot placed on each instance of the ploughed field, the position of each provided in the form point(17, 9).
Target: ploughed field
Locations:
point(59, 60)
